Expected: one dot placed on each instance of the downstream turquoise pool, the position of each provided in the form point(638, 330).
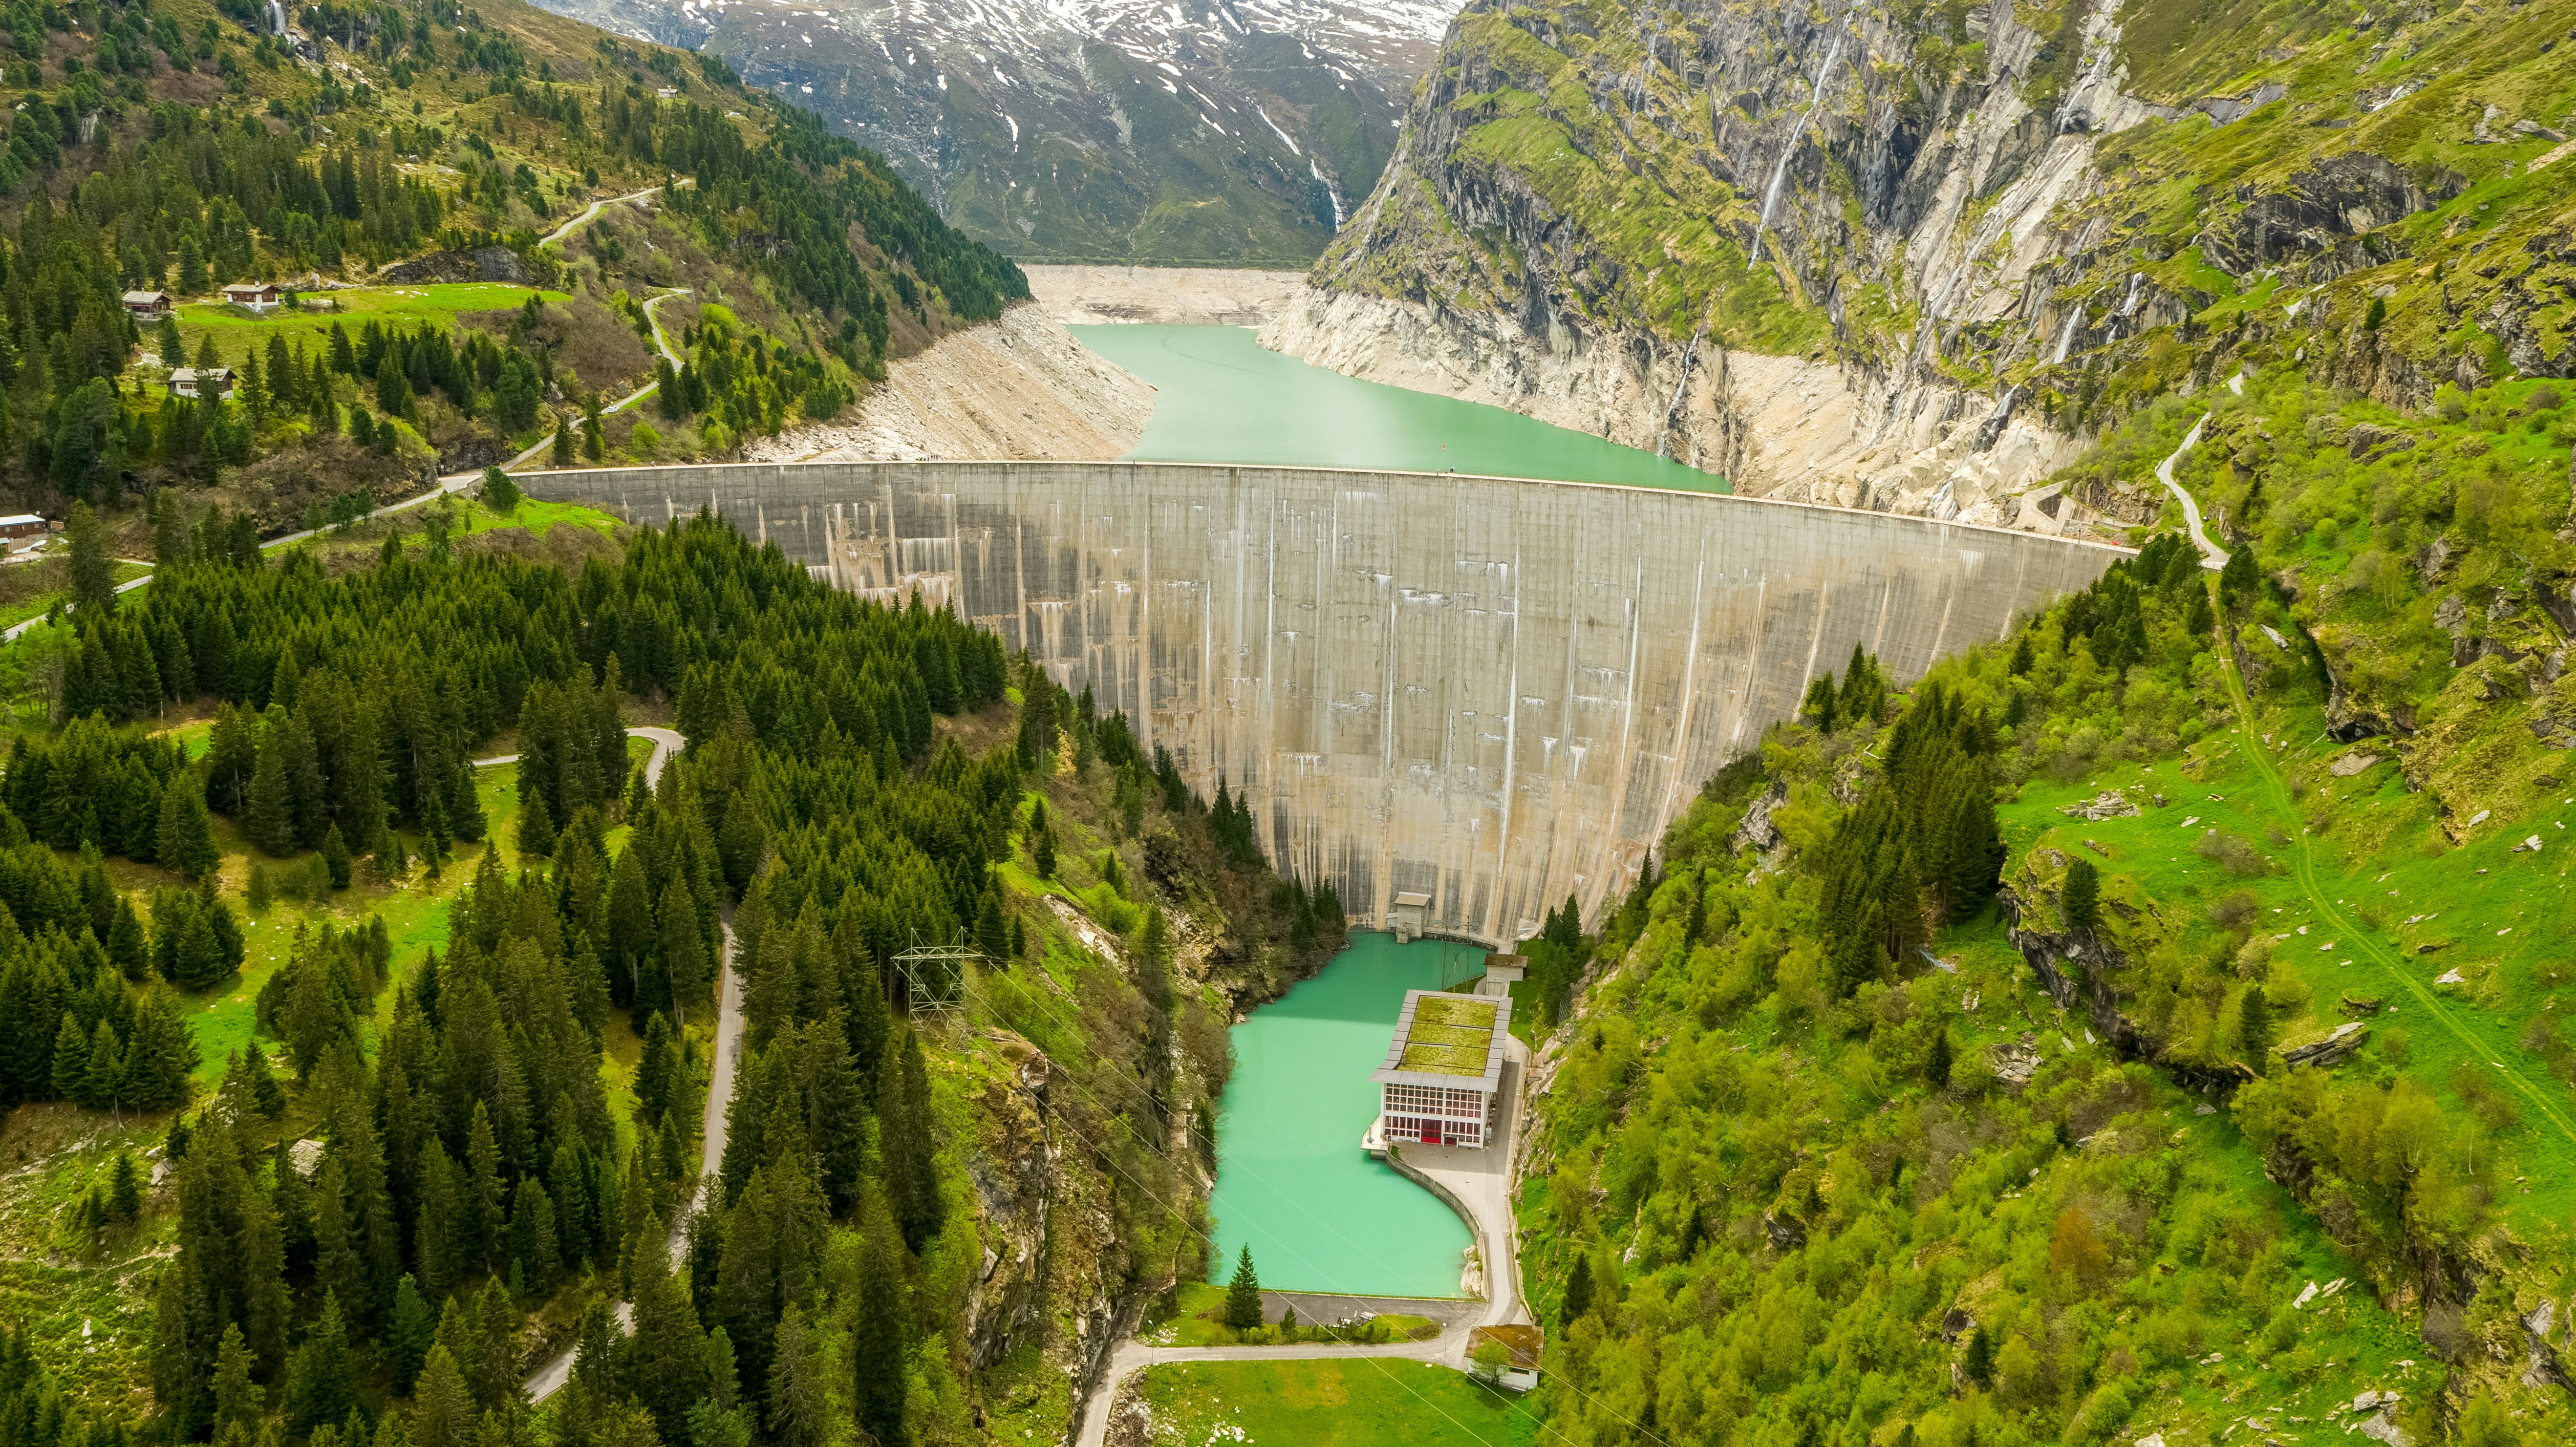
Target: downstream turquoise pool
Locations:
point(1221, 397)
point(1291, 1180)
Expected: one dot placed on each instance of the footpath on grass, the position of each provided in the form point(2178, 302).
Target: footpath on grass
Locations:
point(2304, 870)
point(2276, 790)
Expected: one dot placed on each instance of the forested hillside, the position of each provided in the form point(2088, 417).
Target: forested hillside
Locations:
point(454, 1133)
point(2146, 1024)
point(417, 179)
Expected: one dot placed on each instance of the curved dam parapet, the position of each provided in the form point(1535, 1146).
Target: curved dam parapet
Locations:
point(1462, 699)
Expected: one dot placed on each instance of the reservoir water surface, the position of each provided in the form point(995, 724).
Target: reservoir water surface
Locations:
point(1291, 1180)
point(1222, 397)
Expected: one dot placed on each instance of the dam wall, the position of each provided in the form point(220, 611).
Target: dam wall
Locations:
point(1460, 698)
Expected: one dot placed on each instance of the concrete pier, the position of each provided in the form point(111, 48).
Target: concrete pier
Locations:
point(1489, 692)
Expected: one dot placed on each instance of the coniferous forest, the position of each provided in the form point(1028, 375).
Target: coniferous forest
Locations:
point(430, 1173)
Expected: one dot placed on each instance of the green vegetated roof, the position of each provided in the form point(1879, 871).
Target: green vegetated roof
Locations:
point(1450, 1036)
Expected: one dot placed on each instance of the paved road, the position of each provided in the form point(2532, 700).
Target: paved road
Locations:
point(546, 444)
point(585, 218)
point(453, 482)
point(2212, 556)
point(548, 1379)
point(1480, 1179)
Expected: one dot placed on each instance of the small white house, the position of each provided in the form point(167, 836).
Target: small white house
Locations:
point(201, 382)
point(1444, 1070)
point(257, 296)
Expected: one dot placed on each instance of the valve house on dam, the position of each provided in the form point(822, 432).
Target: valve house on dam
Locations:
point(1442, 1081)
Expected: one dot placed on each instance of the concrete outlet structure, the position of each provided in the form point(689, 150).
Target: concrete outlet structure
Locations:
point(1474, 696)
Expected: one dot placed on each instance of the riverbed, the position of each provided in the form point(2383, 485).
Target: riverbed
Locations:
point(1219, 396)
point(1291, 1180)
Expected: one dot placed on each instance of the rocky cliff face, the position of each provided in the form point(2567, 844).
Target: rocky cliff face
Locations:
point(1125, 130)
point(1910, 257)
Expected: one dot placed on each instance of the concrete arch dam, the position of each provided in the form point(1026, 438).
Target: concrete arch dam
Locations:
point(1462, 699)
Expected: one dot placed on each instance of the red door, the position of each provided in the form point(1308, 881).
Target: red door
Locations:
point(1431, 1132)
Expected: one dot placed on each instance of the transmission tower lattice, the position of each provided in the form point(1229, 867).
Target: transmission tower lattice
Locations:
point(934, 976)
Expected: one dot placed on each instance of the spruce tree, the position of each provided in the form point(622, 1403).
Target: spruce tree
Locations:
point(904, 1139)
point(536, 830)
point(410, 1334)
point(1578, 1292)
point(877, 1350)
point(2081, 900)
point(321, 1379)
point(684, 948)
point(799, 1415)
point(70, 1075)
point(103, 1082)
point(185, 841)
point(269, 816)
point(2254, 1027)
point(1980, 1363)
point(443, 1412)
point(239, 1401)
point(335, 857)
point(125, 1188)
point(1937, 1068)
point(93, 571)
point(1243, 1294)
point(483, 1190)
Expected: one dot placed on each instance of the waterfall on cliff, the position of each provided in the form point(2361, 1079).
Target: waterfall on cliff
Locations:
point(1780, 172)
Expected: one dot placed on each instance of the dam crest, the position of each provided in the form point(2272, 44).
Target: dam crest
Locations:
point(1461, 699)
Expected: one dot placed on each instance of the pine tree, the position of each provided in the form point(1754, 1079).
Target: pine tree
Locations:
point(1243, 1294)
point(563, 453)
point(1937, 1069)
point(1045, 853)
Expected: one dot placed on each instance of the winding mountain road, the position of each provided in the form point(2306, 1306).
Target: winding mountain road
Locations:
point(549, 1378)
point(2212, 556)
point(585, 218)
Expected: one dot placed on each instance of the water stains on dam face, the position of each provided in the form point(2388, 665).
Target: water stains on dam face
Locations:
point(1460, 698)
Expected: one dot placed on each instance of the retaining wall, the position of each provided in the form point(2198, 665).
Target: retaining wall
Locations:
point(1489, 691)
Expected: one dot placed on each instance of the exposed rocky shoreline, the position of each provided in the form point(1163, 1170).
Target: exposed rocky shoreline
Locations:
point(1021, 389)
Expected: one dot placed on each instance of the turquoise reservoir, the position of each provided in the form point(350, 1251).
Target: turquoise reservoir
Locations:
point(1291, 1180)
point(1221, 397)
